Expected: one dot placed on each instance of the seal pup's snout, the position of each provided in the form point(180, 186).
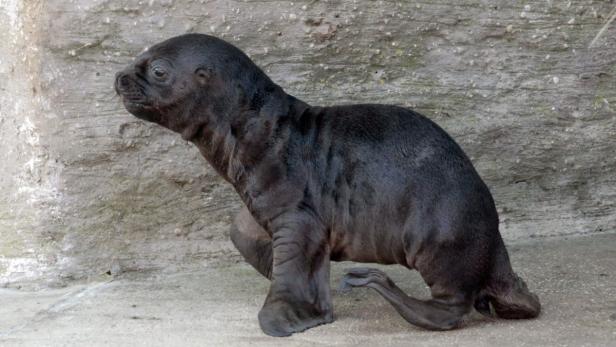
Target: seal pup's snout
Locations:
point(121, 79)
point(130, 88)
point(122, 82)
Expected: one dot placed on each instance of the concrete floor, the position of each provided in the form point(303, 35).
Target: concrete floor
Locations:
point(574, 277)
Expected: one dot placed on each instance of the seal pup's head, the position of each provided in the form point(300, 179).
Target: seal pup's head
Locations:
point(192, 80)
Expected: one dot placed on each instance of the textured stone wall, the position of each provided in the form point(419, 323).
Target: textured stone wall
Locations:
point(88, 189)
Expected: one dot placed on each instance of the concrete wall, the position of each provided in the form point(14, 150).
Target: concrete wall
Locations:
point(88, 189)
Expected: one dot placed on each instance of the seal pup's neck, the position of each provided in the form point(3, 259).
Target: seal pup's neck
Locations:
point(237, 142)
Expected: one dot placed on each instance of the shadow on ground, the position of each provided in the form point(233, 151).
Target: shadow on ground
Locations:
point(574, 277)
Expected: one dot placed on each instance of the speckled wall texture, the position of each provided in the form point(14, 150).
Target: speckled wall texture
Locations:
point(88, 189)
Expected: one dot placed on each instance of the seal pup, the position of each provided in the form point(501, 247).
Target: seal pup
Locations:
point(366, 183)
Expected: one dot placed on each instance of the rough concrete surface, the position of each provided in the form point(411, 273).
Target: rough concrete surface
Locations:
point(87, 189)
point(575, 279)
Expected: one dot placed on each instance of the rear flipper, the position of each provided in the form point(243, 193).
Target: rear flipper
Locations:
point(444, 313)
point(506, 291)
point(511, 299)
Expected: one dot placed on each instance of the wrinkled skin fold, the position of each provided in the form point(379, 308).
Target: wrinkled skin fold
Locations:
point(367, 183)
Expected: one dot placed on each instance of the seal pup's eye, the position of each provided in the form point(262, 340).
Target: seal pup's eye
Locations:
point(158, 72)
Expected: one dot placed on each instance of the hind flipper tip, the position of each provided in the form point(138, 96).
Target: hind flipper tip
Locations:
point(358, 271)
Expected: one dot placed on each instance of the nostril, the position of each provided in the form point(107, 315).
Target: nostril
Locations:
point(122, 83)
point(124, 80)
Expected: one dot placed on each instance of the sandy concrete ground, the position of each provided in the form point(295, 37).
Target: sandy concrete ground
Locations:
point(575, 279)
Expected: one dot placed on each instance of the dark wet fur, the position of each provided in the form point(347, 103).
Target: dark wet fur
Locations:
point(367, 183)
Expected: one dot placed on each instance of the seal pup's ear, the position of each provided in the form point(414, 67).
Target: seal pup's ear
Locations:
point(203, 74)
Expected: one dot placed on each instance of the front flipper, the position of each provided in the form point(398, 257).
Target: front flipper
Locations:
point(299, 296)
point(280, 317)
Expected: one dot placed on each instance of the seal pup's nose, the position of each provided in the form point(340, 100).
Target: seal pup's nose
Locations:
point(122, 81)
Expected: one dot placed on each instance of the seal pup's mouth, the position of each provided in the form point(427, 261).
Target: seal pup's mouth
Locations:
point(136, 104)
point(139, 106)
point(133, 95)
point(141, 109)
